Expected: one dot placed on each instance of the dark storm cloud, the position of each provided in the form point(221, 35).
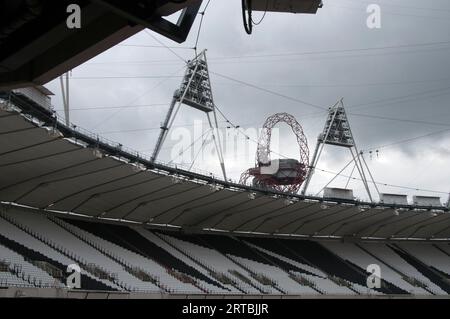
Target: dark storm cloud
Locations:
point(335, 59)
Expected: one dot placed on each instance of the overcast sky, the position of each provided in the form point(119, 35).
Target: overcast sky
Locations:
point(401, 71)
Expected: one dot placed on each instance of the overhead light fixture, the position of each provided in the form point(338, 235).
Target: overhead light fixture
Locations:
point(97, 152)
point(138, 167)
point(176, 180)
point(361, 209)
point(4, 106)
point(288, 202)
point(55, 133)
point(214, 187)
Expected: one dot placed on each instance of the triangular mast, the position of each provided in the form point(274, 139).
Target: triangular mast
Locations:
point(195, 91)
point(337, 132)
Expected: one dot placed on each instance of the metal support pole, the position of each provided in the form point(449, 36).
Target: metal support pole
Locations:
point(164, 129)
point(196, 73)
point(218, 147)
point(311, 168)
point(65, 97)
point(350, 177)
point(317, 153)
point(370, 174)
point(358, 157)
point(219, 142)
point(67, 115)
point(167, 125)
point(335, 176)
point(361, 173)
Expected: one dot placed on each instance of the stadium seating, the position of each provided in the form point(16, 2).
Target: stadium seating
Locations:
point(320, 280)
point(24, 273)
point(362, 258)
point(126, 258)
point(318, 256)
point(27, 245)
point(388, 255)
point(7, 279)
point(137, 250)
point(432, 274)
point(430, 260)
point(216, 262)
point(36, 249)
point(430, 255)
point(208, 284)
point(276, 279)
point(79, 250)
point(445, 248)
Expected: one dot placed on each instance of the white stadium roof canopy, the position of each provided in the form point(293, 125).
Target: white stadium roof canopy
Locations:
point(48, 166)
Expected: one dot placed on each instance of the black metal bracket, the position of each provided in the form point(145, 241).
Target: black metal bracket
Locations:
point(150, 19)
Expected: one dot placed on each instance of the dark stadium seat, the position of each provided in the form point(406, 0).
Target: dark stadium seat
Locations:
point(86, 282)
point(130, 239)
point(332, 264)
point(270, 245)
point(433, 275)
point(158, 261)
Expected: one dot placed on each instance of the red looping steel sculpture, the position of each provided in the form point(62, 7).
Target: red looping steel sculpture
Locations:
point(285, 175)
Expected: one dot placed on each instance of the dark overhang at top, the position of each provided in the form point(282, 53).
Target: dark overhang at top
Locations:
point(37, 46)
